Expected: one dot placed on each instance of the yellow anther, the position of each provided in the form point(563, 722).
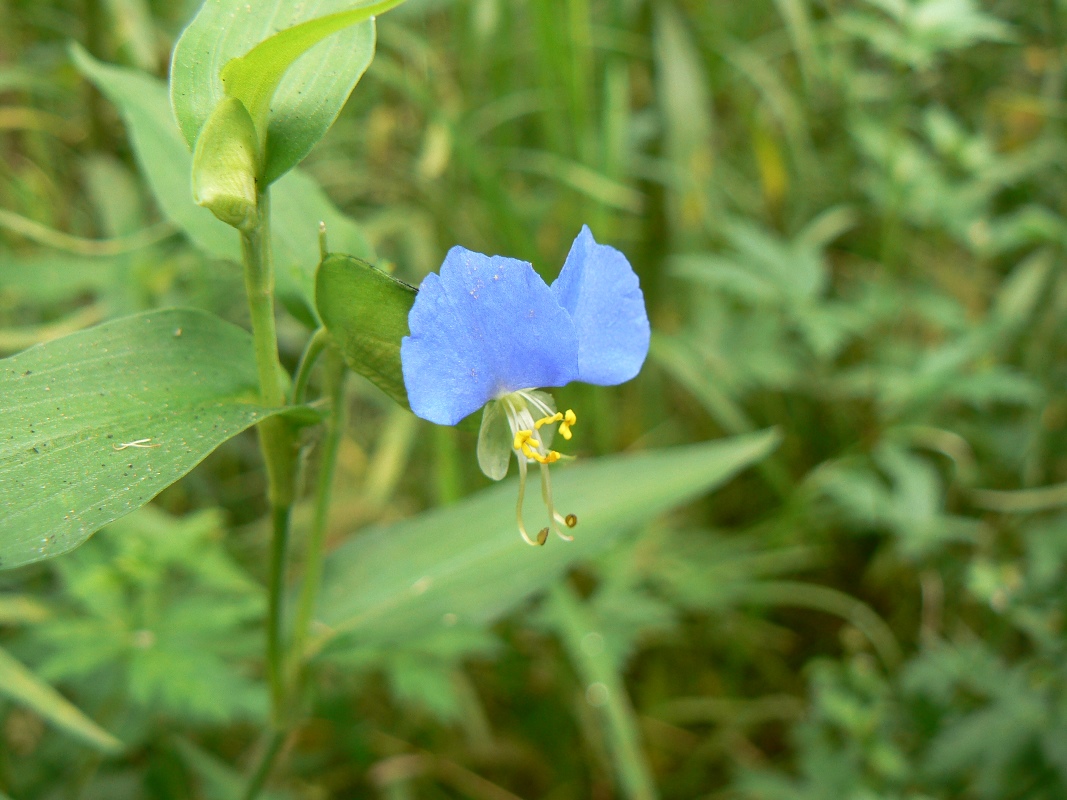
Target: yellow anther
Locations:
point(526, 444)
point(551, 457)
point(521, 438)
point(565, 426)
point(548, 420)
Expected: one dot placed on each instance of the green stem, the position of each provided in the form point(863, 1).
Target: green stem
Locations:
point(334, 388)
point(259, 283)
point(278, 447)
point(266, 761)
point(275, 617)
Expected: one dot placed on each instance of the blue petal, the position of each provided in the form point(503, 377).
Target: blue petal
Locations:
point(482, 328)
point(600, 290)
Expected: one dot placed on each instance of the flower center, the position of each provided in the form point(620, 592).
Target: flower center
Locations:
point(531, 444)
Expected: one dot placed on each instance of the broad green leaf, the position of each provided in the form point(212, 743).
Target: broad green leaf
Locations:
point(161, 153)
point(299, 204)
point(94, 425)
point(465, 563)
point(307, 99)
point(366, 313)
point(17, 683)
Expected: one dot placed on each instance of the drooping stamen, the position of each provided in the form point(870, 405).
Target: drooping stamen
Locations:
point(529, 445)
point(518, 506)
point(546, 495)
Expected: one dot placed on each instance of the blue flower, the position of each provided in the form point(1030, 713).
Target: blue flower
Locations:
point(488, 332)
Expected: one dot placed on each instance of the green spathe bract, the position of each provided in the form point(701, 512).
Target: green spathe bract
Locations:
point(293, 83)
point(366, 312)
point(299, 203)
point(226, 163)
point(254, 78)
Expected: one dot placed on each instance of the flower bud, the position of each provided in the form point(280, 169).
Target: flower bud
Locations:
point(226, 164)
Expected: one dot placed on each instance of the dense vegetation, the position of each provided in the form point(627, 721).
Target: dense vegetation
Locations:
point(848, 220)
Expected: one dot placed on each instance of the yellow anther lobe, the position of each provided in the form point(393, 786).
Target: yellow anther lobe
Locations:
point(548, 420)
point(522, 439)
point(565, 426)
point(549, 458)
point(526, 444)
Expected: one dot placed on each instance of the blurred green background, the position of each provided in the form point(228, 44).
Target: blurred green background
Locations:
point(848, 217)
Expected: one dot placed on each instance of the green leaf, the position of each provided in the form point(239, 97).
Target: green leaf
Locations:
point(94, 425)
point(299, 204)
point(465, 563)
point(161, 153)
point(306, 100)
point(366, 313)
point(22, 686)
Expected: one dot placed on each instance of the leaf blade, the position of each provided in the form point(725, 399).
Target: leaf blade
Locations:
point(20, 685)
point(97, 423)
point(438, 568)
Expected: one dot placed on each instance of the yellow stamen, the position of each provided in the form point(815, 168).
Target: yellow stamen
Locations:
point(548, 420)
point(551, 457)
point(525, 443)
point(530, 446)
point(518, 506)
point(565, 426)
